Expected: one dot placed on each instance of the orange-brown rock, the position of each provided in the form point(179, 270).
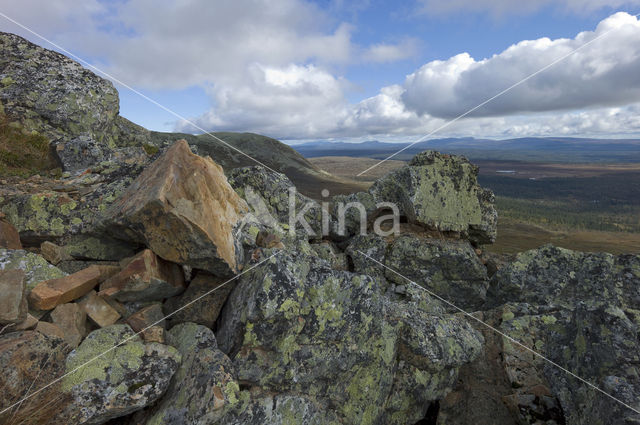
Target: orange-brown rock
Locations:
point(183, 208)
point(9, 236)
point(54, 253)
point(99, 310)
point(72, 321)
point(50, 293)
point(145, 277)
point(13, 300)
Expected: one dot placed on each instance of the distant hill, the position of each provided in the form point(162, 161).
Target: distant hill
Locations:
point(537, 149)
point(309, 179)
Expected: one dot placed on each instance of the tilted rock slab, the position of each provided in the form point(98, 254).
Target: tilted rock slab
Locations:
point(13, 300)
point(184, 210)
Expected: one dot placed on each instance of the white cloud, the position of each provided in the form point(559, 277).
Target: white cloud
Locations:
point(384, 52)
point(501, 8)
point(605, 73)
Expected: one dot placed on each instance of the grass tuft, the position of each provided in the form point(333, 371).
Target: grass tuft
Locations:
point(22, 153)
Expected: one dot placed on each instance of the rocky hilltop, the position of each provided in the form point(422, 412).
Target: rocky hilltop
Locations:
point(148, 283)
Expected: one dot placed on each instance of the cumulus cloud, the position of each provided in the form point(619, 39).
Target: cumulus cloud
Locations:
point(501, 8)
point(604, 73)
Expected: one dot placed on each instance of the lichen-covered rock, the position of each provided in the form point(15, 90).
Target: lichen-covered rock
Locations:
point(437, 191)
point(52, 94)
point(448, 268)
point(126, 378)
point(268, 195)
point(330, 253)
point(184, 210)
point(31, 360)
point(203, 388)
point(36, 268)
point(579, 310)
point(295, 325)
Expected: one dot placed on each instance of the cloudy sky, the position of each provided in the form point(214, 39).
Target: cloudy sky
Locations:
point(361, 69)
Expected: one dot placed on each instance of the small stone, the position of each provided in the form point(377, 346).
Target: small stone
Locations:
point(9, 236)
point(49, 329)
point(72, 321)
point(99, 310)
point(48, 294)
point(13, 300)
point(27, 324)
point(148, 316)
point(154, 334)
point(54, 253)
point(145, 277)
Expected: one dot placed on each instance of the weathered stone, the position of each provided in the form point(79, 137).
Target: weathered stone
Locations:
point(36, 268)
point(87, 247)
point(48, 294)
point(449, 268)
point(184, 210)
point(50, 329)
point(72, 321)
point(148, 316)
point(124, 379)
point(145, 277)
point(578, 310)
point(294, 325)
point(99, 310)
point(30, 360)
point(13, 300)
point(203, 385)
point(328, 252)
point(74, 266)
point(154, 334)
point(437, 191)
point(267, 194)
point(9, 237)
point(54, 253)
point(204, 311)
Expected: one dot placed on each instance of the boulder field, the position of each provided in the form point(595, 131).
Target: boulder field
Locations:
point(153, 286)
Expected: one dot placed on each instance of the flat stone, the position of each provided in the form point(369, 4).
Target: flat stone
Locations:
point(72, 321)
point(145, 277)
point(154, 334)
point(99, 310)
point(13, 301)
point(9, 236)
point(183, 208)
point(48, 294)
point(50, 329)
point(54, 253)
point(27, 324)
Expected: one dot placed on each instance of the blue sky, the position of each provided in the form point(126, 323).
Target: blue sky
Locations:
point(356, 70)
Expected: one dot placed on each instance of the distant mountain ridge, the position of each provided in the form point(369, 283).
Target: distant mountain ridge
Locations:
point(548, 149)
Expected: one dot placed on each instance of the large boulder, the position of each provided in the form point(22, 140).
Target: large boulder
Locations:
point(294, 325)
point(581, 311)
point(113, 373)
point(183, 209)
point(449, 268)
point(437, 191)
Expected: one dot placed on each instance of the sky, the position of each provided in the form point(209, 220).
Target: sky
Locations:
point(358, 70)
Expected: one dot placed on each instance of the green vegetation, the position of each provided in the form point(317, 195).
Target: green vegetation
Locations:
point(21, 153)
point(150, 149)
